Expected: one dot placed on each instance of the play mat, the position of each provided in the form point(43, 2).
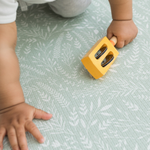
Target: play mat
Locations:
point(110, 113)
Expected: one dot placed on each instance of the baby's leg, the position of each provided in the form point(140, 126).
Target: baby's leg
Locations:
point(69, 8)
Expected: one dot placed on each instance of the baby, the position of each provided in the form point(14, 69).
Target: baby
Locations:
point(15, 115)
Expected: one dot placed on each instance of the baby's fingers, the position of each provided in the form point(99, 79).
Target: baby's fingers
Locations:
point(11, 133)
point(2, 134)
point(120, 42)
point(40, 114)
point(22, 138)
point(31, 127)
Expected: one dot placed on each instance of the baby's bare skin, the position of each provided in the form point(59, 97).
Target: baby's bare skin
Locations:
point(122, 25)
point(15, 115)
point(15, 120)
point(125, 31)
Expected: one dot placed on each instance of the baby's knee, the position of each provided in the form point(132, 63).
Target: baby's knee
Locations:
point(70, 9)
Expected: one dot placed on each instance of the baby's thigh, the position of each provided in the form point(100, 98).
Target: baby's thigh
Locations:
point(69, 8)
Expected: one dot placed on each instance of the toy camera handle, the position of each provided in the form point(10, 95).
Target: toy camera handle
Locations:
point(113, 40)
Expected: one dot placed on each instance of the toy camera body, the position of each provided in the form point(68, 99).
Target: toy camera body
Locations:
point(100, 57)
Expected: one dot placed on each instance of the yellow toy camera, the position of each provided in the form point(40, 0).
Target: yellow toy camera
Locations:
point(100, 57)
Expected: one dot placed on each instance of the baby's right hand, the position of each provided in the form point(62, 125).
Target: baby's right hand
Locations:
point(125, 31)
point(14, 121)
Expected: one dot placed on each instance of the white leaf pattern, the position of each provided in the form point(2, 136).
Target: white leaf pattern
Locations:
point(111, 113)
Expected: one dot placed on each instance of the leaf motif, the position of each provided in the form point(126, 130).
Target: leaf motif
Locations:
point(100, 127)
point(77, 44)
point(106, 114)
point(148, 140)
point(119, 110)
point(136, 147)
point(84, 140)
point(94, 122)
point(148, 148)
point(83, 109)
point(74, 123)
point(83, 123)
point(54, 28)
point(91, 106)
point(112, 70)
point(125, 130)
point(48, 29)
point(106, 107)
point(99, 102)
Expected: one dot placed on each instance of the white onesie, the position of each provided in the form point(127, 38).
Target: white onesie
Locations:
point(8, 11)
point(65, 8)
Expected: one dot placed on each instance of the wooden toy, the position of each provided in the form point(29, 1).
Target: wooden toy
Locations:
point(100, 57)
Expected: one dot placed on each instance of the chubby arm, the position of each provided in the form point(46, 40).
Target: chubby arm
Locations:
point(15, 115)
point(122, 25)
point(121, 9)
point(10, 88)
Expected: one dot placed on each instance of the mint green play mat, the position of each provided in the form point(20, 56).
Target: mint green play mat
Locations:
point(111, 113)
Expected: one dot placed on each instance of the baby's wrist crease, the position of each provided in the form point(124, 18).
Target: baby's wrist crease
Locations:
point(122, 19)
point(10, 107)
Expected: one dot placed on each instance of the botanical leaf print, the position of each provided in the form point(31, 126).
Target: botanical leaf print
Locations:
point(110, 113)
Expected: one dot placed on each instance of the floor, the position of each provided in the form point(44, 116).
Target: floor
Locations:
point(110, 113)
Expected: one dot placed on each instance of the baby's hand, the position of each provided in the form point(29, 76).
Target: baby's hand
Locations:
point(125, 31)
point(14, 121)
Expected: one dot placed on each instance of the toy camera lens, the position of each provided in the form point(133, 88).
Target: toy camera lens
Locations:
point(107, 60)
point(100, 52)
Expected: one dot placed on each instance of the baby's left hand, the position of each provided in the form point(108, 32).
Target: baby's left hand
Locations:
point(125, 31)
